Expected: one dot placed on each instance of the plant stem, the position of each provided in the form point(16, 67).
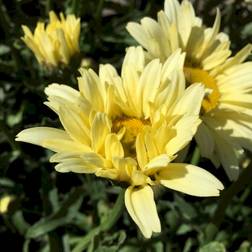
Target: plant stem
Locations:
point(5, 20)
point(48, 6)
point(75, 7)
point(196, 156)
point(227, 197)
point(104, 226)
point(99, 10)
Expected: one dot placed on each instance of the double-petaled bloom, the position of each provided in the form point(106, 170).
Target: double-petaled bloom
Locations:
point(56, 42)
point(129, 128)
point(227, 108)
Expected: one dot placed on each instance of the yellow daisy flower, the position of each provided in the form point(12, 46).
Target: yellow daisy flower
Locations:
point(57, 42)
point(226, 109)
point(124, 128)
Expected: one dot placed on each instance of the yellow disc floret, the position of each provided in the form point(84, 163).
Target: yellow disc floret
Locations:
point(133, 126)
point(213, 95)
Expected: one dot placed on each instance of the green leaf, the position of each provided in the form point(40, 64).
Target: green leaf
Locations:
point(158, 247)
point(210, 232)
point(19, 222)
point(44, 226)
point(130, 248)
point(172, 218)
point(246, 246)
point(62, 217)
point(183, 229)
point(247, 30)
point(4, 49)
point(26, 245)
point(5, 182)
point(188, 245)
point(186, 209)
point(54, 199)
point(213, 247)
point(14, 119)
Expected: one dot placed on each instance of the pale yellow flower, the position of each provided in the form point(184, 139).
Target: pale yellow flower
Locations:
point(4, 203)
point(226, 109)
point(124, 128)
point(56, 42)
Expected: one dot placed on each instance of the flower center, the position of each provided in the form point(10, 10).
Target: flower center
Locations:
point(131, 127)
point(212, 97)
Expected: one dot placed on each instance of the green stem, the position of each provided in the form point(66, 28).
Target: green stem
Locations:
point(196, 156)
point(99, 10)
point(5, 19)
point(110, 221)
point(227, 197)
point(54, 240)
point(75, 7)
point(48, 6)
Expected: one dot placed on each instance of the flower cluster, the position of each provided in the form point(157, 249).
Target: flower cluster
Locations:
point(130, 127)
point(57, 42)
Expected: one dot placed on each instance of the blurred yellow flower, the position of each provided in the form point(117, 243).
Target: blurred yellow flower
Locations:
point(55, 43)
point(226, 109)
point(4, 203)
point(124, 128)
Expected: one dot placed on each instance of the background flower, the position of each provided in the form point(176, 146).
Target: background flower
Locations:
point(56, 42)
point(226, 109)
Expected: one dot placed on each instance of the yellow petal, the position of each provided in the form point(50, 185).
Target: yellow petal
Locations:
point(171, 8)
point(190, 102)
point(149, 82)
point(190, 179)
point(92, 89)
point(156, 163)
point(113, 147)
point(227, 154)
point(140, 35)
point(142, 209)
point(71, 163)
point(142, 157)
point(74, 122)
point(64, 49)
point(62, 95)
point(237, 59)
point(186, 128)
point(100, 129)
point(54, 139)
point(4, 203)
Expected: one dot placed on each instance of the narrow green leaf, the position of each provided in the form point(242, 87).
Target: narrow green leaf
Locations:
point(213, 247)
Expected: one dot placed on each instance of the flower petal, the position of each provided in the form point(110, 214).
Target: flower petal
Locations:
point(190, 179)
point(113, 147)
point(100, 129)
point(74, 122)
point(54, 139)
point(185, 129)
point(142, 209)
point(190, 102)
point(72, 163)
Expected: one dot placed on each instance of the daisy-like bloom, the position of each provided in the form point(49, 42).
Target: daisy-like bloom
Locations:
point(226, 109)
point(125, 129)
point(56, 42)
